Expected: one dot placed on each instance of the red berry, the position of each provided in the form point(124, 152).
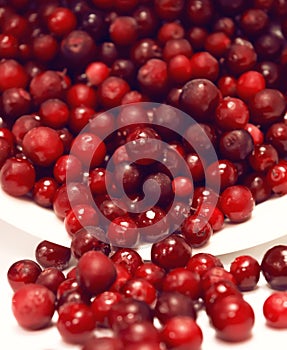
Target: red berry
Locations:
point(33, 306)
point(275, 310)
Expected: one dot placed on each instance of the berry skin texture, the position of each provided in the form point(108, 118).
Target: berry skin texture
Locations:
point(275, 310)
point(182, 332)
point(76, 322)
point(17, 176)
point(237, 203)
point(233, 318)
point(95, 272)
point(33, 306)
point(42, 145)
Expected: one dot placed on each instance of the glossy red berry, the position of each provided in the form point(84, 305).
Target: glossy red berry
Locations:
point(33, 306)
point(76, 322)
point(95, 272)
point(50, 254)
point(275, 310)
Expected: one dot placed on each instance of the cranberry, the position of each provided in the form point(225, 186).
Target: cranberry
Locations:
point(81, 94)
point(182, 331)
point(49, 254)
point(123, 232)
point(151, 273)
point(8, 46)
point(276, 178)
point(233, 318)
point(267, 106)
point(174, 47)
point(241, 57)
point(39, 301)
point(271, 73)
point(273, 267)
point(111, 91)
point(227, 85)
point(253, 21)
point(54, 113)
point(172, 304)
point(80, 216)
point(215, 274)
point(237, 203)
point(263, 157)
point(17, 176)
point(260, 189)
point(199, 263)
point(128, 258)
point(112, 208)
point(236, 145)
point(139, 332)
point(217, 291)
point(123, 30)
point(13, 75)
point(128, 311)
point(204, 65)
point(231, 113)
point(196, 230)
point(246, 271)
point(256, 134)
point(16, 102)
point(42, 145)
point(183, 281)
point(45, 47)
point(76, 322)
point(249, 83)
point(182, 186)
point(217, 43)
point(87, 239)
point(275, 310)
point(199, 98)
point(61, 21)
point(95, 272)
point(108, 343)
point(197, 36)
point(44, 191)
point(89, 148)
point(224, 170)
point(171, 252)
point(51, 277)
point(199, 13)
point(129, 176)
point(122, 277)
point(77, 46)
point(276, 135)
point(179, 69)
point(23, 272)
point(102, 304)
point(102, 124)
point(139, 289)
point(170, 30)
point(268, 46)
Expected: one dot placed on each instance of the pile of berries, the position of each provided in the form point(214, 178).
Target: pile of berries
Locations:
point(144, 304)
point(90, 91)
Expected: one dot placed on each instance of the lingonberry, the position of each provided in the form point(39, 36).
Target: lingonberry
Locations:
point(246, 271)
point(44, 191)
point(275, 310)
point(95, 272)
point(23, 272)
point(274, 266)
point(233, 318)
point(76, 322)
point(17, 176)
point(49, 254)
point(182, 331)
point(237, 203)
point(40, 302)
